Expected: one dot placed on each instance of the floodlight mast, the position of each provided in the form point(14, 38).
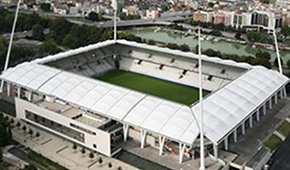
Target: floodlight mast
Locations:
point(276, 45)
point(115, 7)
point(10, 42)
point(202, 167)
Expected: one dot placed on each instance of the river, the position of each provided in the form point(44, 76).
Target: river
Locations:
point(223, 46)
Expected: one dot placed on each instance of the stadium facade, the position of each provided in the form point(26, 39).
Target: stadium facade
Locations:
point(57, 93)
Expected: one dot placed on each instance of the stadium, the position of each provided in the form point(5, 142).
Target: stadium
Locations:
point(103, 95)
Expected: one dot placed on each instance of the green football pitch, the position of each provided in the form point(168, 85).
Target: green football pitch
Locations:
point(156, 87)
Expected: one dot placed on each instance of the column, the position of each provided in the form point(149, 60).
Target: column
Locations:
point(2, 85)
point(215, 151)
point(19, 92)
point(264, 109)
point(281, 93)
point(181, 151)
point(226, 144)
point(29, 95)
point(284, 91)
point(8, 89)
point(251, 121)
point(270, 103)
point(143, 138)
point(161, 144)
point(276, 98)
point(235, 135)
point(125, 131)
point(243, 128)
point(258, 115)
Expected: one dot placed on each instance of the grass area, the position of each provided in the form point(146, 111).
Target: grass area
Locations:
point(284, 129)
point(7, 108)
point(163, 89)
point(33, 156)
point(273, 142)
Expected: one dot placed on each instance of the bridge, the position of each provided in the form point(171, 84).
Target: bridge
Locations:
point(141, 22)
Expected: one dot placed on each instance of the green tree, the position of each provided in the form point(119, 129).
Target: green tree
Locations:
point(30, 132)
point(110, 165)
point(45, 7)
point(95, 17)
point(5, 132)
point(30, 167)
point(38, 32)
point(210, 4)
point(276, 62)
point(151, 42)
point(49, 47)
point(92, 155)
point(70, 41)
point(285, 31)
point(75, 146)
point(83, 151)
point(184, 47)
point(265, 55)
point(100, 160)
point(37, 134)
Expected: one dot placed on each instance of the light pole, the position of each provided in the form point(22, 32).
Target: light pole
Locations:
point(272, 18)
point(115, 7)
point(10, 42)
point(202, 167)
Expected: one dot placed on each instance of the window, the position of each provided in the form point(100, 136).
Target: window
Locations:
point(223, 71)
point(95, 146)
point(172, 60)
point(82, 129)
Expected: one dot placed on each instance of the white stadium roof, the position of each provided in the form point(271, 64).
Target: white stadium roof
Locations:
point(224, 109)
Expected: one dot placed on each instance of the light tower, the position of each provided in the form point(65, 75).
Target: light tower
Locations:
point(115, 7)
point(10, 42)
point(202, 167)
point(272, 18)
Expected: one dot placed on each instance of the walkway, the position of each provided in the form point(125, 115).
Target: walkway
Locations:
point(61, 151)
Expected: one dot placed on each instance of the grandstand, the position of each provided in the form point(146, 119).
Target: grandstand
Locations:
point(91, 94)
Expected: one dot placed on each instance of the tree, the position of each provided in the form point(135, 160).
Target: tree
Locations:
point(45, 7)
point(238, 35)
point(24, 128)
point(49, 47)
point(276, 62)
point(151, 42)
point(210, 4)
point(100, 160)
point(18, 124)
point(5, 131)
point(265, 55)
point(285, 31)
point(37, 134)
point(30, 167)
point(95, 17)
point(38, 32)
point(119, 168)
point(92, 155)
point(184, 47)
point(75, 146)
point(30, 132)
point(70, 41)
point(12, 121)
point(110, 165)
point(83, 151)
point(216, 33)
